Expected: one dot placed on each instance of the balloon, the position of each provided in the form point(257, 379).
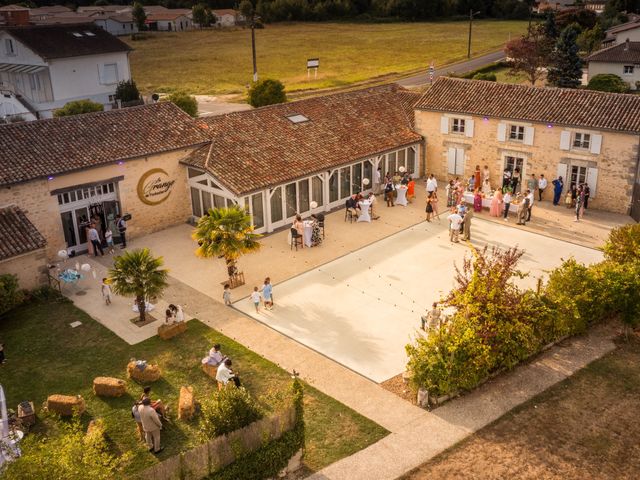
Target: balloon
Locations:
point(314, 204)
point(63, 254)
point(85, 267)
point(365, 181)
point(401, 169)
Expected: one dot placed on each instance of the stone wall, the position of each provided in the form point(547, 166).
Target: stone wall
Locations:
point(30, 269)
point(615, 163)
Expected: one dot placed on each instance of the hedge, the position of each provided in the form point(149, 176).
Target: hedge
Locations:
point(10, 294)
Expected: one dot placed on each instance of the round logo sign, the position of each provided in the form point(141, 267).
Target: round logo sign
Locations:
point(154, 186)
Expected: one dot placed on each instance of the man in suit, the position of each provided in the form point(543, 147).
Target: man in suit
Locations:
point(151, 425)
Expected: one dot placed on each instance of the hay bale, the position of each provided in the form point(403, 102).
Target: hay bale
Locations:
point(109, 387)
point(151, 373)
point(186, 403)
point(170, 330)
point(210, 370)
point(65, 405)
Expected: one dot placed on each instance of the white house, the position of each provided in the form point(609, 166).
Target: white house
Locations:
point(620, 33)
point(173, 20)
point(116, 23)
point(42, 67)
point(622, 60)
point(227, 17)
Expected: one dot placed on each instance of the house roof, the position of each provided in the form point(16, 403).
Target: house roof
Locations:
point(563, 106)
point(49, 9)
point(70, 18)
point(255, 149)
point(102, 8)
point(13, 8)
point(224, 11)
point(17, 234)
point(122, 17)
point(59, 41)
point(155, 16)
point(626, 52)
point(42, 148)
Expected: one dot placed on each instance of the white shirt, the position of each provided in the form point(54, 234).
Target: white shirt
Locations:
point(215, 358)
point(179, 314)
point(255, 297)
point(542, 183)
point(93, 235)
point(224, 374)
point(432, 184)
point(507, 198)
point(377, 178)
point(530, 197)
point(455, 221)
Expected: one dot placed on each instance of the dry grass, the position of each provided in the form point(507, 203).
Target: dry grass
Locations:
point(219, 62)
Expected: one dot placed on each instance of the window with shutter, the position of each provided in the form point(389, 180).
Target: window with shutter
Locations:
point(565, 140)
point(109, 74)
point(444, 125)
point(469, 131)
point(502, 132)
point(596, 144)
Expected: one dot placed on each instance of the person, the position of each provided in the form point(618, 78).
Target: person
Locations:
point(168, 316)
point(530, 196)
point(558, 185)
point(486, 174)
point(574, 194)
point(587, 194)
point(267, 294)
point(532, 183)
point(411, 189)
point(523, 208)
point(506, 179)
point(178, 314)
point(515, 179)
point(455, 220)
point(405, 179)
point(431, 321)
point(106, 291)
point(94, 237)
point(579, 202)
point(486, 187)
point(215, 357)
point(377, 181)
point(472, 183)
point(121, 225)
point(135, 413)
point(225, 374)
point(432, 184)
point(255, 298)
point(451, 194)
point(316, 233)
point(298, 224)
point(477, 201)
point(226, 294)
point(388, 192)
point(157, 405)
point(461, 209)
point(108, 236)
point(434, 204)
point(429, 208)
point(542, 184)
point(507, 205)
point(466, 225)
point(495, 210)
point(352, 204)
point(477, 181)
point(151, 425)
point(396, 178)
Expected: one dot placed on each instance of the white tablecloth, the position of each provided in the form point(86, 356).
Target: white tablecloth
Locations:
point(402, 195)
point(308, 231)
point(486, 203)
point(364, 211)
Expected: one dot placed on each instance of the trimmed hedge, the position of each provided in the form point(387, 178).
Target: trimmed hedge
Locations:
point(10, 294)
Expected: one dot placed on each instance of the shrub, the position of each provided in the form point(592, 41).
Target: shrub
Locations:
point(623, 244)
point(266, 92)
point(185, 102)
point(127, 91)
point(490, 77)
point(78, 107)
point(230, 409)
point(608, 82)
point(10, 294)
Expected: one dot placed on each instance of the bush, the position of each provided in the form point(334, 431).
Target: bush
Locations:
point(230, 409)
point(10, 294)
point(266, 92)
point(185, 102)
point(127, 91)
point(490, 77)
point(608, 82)
point(623, 244)
point(78, 107)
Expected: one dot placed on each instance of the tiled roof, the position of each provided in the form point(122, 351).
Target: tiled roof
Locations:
point(43, 148)
point(562, 106)
point(59, 41)
point(626, 52)
point(224, 11)
point(254, 149)
point(165, 15)
point(17, 234)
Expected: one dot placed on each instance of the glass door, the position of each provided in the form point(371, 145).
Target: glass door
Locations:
point(82, 225)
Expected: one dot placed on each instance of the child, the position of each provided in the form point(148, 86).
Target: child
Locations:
point(507, 203)
point(108, 235)
point(226, 295)
point(255, 298)
point(106, 291)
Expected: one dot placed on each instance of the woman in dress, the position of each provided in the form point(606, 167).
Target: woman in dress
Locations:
point(496, 204)
point(477, 201)
point(298, 224)
point(451, 194)
point(434, 204)
point(411, 189)
point(486, 188)
point(316, 233)
point(429, 208)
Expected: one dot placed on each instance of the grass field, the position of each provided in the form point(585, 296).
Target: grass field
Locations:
point(46, 356)
point(219, 62)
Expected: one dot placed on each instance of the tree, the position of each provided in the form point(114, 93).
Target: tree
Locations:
point(266, 92)
point(589, 40)
point(139, 16)
point(200, 15)
point(528, 54)
point(550, 27)
point(78, 107)
point(608, 82)
point(137, 274)
point(127, 91)
point(566, 70)
point(229, 409)
point(187, 103)
point(226, 233)
point(623, 245)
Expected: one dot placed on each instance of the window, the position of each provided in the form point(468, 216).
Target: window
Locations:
point(109, 74)
point(457, 125)
point(345, 182)
point(578, 175)
point(627, 70)
point(513, 163)
point(303, 195)
point(34, 82)
point(89, 34)
point(333, 187)
point(516, 133)
point(9, 47)
point(316, 184)
point(195, 202)
point(291, 200)
point(296, 118)
point(276, 205)
point(257, 210)
point(581, 140)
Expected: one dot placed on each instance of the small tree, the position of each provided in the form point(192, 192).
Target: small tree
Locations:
point(589, 40)
point(623, 245)
point(608, 82)
point(200, 15)
point(78, 107)
point(127, 91)
point(139, 16)
point(226, 233)
point(528, 54)
point(230, 409)
point(187, 103)
point(10, 293)
point(566, 71)
point(266, 92)
point(138, 274)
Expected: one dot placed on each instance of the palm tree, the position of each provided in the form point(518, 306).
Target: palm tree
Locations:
point(226, 233)
point(137, 274)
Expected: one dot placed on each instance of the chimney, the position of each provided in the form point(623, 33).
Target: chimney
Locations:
point(626, 45)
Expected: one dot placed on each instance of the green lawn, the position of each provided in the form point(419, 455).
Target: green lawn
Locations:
point(45, 356)
point(216, 62)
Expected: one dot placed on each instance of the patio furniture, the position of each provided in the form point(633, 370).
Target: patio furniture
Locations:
point(402, 195)
point(365, 206)
point(141, 372)
point(296, 239)
point(186, 403)
point(308, 232)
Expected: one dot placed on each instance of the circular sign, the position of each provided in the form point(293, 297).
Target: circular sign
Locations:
point(154, 186)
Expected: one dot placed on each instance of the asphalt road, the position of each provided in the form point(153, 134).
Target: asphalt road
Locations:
point(459, 68)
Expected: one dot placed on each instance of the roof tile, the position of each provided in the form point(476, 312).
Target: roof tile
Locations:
point(17, 234)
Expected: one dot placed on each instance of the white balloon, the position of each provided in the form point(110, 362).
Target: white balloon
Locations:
point(365, 181)
point(314, 204)
point(63, 254)
point(402, 169)
point(85, 267)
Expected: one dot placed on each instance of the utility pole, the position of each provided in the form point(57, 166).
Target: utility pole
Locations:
point(253, 47)
point(471, 15)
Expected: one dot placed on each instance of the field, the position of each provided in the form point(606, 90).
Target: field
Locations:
point(46, 356)
point(219, 61)
point(584, 427)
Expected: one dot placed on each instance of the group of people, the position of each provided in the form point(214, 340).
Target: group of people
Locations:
point(460, 222)
point(577, 196)
point(98, 238)
point(316, 220)
point(263, 295)
point(391, 183)
point(356, 201)
point(174, 314)
point(501, 205)
point(224, 373)
point(149, 415)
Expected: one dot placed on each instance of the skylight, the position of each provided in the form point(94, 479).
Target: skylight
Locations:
point(76, 34)
point(89, 34)
point(297, 118)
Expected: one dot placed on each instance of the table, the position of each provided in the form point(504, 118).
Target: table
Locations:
point(69, 276)
point(308, 232)
point(402, 195)
point(486, 203)
point(365, 208)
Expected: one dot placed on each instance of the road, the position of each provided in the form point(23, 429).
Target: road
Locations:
point(459, 68)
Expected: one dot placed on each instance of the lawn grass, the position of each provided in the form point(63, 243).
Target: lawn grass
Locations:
point(502, 76)
point(219, 61)
point(45, 356)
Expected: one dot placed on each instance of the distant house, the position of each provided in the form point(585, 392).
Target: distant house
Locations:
point(92, 10)
point(620, 33)
point(116, 23)
point(42, 13)
point(556, 5)
point(228, 17)
point(622, 60)
point(68, 18)
point(42, 67)
point(14, 15)
point(596, 6)
point(177, 20)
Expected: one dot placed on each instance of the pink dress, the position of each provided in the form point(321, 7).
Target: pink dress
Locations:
point(496, 204)
point(477, 202)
